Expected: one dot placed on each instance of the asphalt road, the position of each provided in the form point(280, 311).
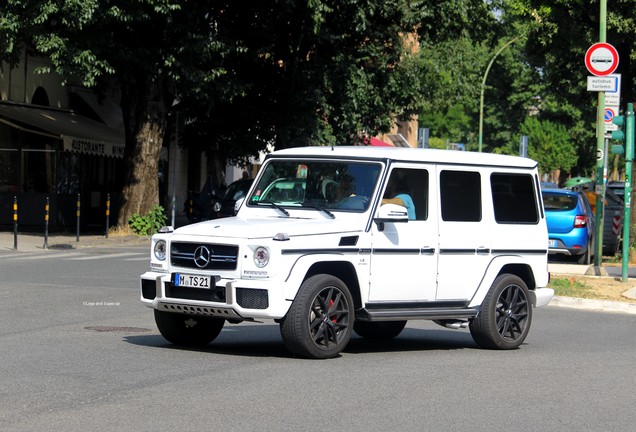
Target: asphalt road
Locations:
point(80, 353)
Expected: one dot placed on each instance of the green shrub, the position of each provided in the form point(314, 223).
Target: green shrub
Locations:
point(569, 287)
point(150, 223)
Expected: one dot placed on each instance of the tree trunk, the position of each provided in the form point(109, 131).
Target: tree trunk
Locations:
point(145, 115)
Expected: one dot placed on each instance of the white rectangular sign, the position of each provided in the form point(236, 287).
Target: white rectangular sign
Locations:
point(613, 98)
point(606, 83)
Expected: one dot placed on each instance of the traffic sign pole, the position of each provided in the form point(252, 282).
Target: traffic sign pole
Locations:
point(600, 181)
point(629, 157)
point(600, 142)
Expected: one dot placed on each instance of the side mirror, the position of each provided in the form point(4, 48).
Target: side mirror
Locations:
point(390, 213)
point(238, 204)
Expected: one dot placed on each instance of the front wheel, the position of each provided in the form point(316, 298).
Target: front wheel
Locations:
point(505, 316)
point(320, 320)
point(188, 330)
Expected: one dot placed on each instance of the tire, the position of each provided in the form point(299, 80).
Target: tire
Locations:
point(586, 258)
point(382, 330)
point(505, 316)
point(319, 322)
point(188, 330)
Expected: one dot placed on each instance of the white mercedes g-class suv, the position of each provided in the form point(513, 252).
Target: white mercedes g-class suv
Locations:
point(335, 240)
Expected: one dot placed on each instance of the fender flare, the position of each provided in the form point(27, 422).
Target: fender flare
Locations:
point(303, 264)
point(494, 269)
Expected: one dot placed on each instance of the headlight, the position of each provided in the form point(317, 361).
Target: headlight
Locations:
point(217, 207)
point(261, 257)
point(160, 250)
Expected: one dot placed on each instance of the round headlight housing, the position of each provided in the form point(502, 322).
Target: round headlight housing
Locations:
point(160, 250)
point(217, 207)
point(261, 257)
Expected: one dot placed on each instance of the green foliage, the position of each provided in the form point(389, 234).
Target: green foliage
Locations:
point(150, 223)
point(570, 287)
point(549, 144)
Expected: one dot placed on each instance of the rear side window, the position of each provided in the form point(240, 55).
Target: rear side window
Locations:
point(460, 195)
point(514, 198)
point(559, 202)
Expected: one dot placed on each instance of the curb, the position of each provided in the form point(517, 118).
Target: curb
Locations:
point(596, 305)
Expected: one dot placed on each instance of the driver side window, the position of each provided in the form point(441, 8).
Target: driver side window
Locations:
point(408, 187)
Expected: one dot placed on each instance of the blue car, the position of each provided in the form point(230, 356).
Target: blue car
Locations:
point(570, 224)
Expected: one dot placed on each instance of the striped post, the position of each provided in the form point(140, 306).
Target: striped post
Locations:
point(46, 224)
point(15, 223)
point(78, 218)
point(107, 213)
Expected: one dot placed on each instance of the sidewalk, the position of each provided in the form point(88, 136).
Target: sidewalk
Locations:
point(31, 242)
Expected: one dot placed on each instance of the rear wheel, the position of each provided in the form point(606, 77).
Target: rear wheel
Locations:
point(505, 316)
point(382, 330)
point(188, 330)
point(586, 258)
point(320, 320)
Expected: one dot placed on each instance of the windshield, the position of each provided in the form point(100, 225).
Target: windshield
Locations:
point(326, 184)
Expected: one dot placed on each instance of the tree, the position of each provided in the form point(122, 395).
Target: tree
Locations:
point(285, 72)
point(151, 50)
point(549, 144)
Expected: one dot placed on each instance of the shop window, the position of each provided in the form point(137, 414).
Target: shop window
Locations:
point(68, 173)
point(38, 171)
point(9, 162)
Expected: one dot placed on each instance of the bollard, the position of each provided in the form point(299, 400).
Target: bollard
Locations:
point(46, 224)
point(107, 213)
point(15, 223)
point(78, 218)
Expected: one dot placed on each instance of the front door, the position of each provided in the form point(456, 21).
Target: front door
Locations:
point(404, 259)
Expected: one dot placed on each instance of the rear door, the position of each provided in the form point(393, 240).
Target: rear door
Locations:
point(464, 232)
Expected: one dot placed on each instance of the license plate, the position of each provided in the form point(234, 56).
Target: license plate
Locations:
point(191, 281)
point(552, 243)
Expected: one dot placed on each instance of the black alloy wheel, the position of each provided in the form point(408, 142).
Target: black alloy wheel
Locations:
point(320, 321)
point(505, 316)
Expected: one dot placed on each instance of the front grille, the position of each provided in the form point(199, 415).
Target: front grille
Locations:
point(249, 298)
point(216, 294)
point(204, 256)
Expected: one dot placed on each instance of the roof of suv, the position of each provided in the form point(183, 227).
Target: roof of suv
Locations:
point(409, 154)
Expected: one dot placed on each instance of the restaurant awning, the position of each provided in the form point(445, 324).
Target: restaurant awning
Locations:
point(78, 133)
point(378, 143)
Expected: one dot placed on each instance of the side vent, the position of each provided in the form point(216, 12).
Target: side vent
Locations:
point(348, 241)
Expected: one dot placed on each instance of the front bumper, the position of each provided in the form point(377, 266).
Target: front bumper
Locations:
point(234, 300)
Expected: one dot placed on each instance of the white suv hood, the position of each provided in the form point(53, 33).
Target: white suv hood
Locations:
point(236, 227)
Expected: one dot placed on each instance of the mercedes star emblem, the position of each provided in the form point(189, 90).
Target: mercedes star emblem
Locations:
point(202, 256)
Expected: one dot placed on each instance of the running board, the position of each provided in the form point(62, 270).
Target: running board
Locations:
point(400, 314)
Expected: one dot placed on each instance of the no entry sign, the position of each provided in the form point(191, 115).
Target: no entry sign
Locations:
point(601, 59)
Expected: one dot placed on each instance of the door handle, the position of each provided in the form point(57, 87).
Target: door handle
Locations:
point(483, 251)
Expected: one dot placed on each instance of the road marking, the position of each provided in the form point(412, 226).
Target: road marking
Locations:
point(143, 258)
point(103, 256)
point(41, 255)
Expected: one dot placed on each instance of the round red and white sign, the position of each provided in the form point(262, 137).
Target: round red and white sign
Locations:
point(601, 59)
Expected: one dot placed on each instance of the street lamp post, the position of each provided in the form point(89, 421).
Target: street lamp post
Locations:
point(483, 88)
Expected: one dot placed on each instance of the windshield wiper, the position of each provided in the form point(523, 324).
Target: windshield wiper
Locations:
point(318, 207)
point(273, 204)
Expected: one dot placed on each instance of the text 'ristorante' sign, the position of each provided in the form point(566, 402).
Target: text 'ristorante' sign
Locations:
point(94, 147)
